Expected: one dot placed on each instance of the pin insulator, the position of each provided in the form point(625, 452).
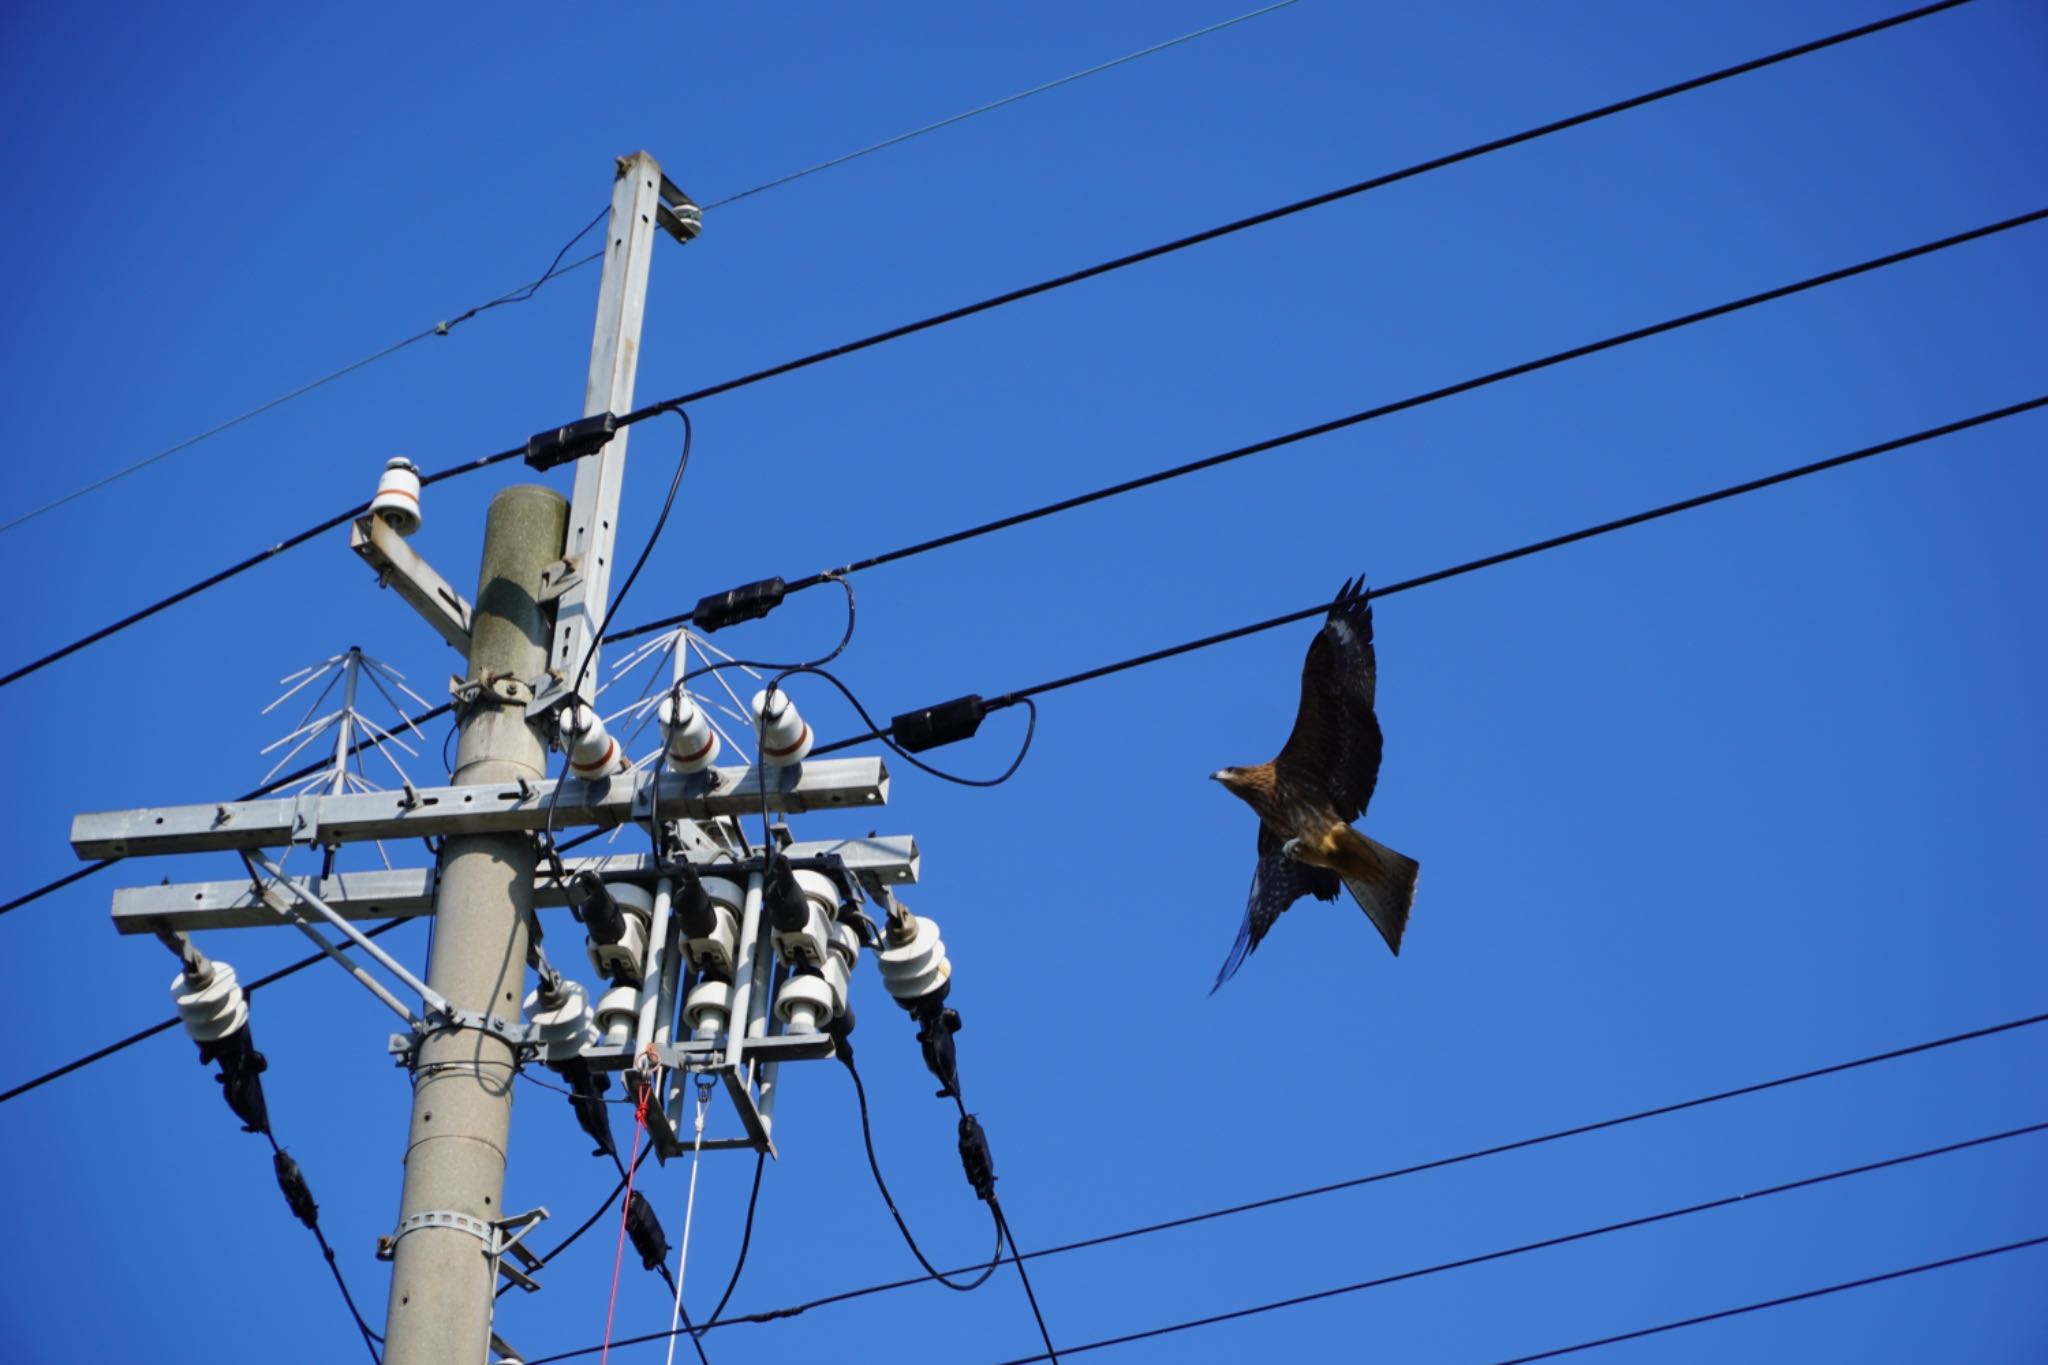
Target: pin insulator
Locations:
point(546, 449)
point(946, 723)
point(748, 602)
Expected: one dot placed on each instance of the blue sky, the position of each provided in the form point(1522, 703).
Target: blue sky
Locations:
point(1744, 792)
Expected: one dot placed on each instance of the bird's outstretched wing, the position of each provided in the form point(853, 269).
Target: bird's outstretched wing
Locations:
point(1335, 747)
point(1278, 883)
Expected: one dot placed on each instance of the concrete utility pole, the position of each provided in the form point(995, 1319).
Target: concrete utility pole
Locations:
point(443, 1279)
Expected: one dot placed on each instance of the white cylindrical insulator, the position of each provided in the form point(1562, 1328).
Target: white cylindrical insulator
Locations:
point(806, 947)
point(715, 951)
point(592, 751)
point(783, 736)
point(839, 960)
point(617, 1011)
point(919, 967)
point(212, 1011)
point(708, 1008)
point(398, 496)
point(804, 1004)
point(636, 906)
point(689, 744)
point(565, 1027)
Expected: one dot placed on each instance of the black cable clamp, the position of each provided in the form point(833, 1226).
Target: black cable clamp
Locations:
point(297, 1193)
point(547, 449)
point(946, 723)
point(748, 602)
point(976, 1160)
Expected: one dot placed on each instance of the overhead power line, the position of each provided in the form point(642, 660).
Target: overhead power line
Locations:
point(1782, 1300)
point(1439, 1163)
point(1031, 291)
point(1669, 509)
point(520, 295)
point(1398, 405)
point(1443, 1267)
point(994, 105)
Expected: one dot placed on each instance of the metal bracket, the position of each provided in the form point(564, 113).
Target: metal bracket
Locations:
point(498, 1237)
point(557, 578)
point(400, 568)
point(405, 1046)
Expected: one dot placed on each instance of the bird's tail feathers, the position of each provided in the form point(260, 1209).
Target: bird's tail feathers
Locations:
point(1383, 883)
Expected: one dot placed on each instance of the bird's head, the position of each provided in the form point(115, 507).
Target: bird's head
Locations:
point(1232, 778)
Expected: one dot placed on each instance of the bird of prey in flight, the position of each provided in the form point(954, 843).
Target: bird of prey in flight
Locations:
point(1321, 781)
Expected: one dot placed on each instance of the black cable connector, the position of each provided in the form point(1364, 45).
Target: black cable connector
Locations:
point(297, 1193)
point(935, 1036)
point(976, 1160)
point(788, 907)
point(547, 449)
point(645, 1230)
point(240, 1077)
point(946, 723)
point(691, 903)
point(593, 905)
point(749, 602)
point(586, 1097)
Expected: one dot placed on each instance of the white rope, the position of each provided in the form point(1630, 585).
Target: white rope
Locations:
point(689, 1211)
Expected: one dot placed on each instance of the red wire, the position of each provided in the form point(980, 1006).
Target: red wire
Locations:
point(625, 1204)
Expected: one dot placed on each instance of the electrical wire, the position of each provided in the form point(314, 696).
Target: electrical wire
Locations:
point(370, 1338)
point(590, 1222)
point(867, 1137)
point(1439, 1163)
point(1041, 287)
point(1524, 1248)
point(519, 295)
point(287, 780)
point(1782, 1300)
point(991, 106)
point(164, 1026)
point(746, 1241)
point(1030, 1295)
point(1418, 400)
point(882, 733)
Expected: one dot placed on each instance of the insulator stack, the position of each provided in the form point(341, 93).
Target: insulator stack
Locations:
point(211, 1007)
point(783, 737)
point(564, 1025)
point(689, 744)
point(803, 905)
point(913, 962)
point(813, 998)
point(711, 931)
point(624, 959)
point(593, 753)
point(708, 1008)
point(398, 496)
point(618, 1009)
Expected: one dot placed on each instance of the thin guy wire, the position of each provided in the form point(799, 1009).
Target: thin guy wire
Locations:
point(1044, 286)
point(1524, 1248)
point(992, 105)
point(1816, 1073)
point(1782, 1300)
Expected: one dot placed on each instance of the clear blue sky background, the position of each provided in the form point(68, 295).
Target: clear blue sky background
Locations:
point(1706, 802)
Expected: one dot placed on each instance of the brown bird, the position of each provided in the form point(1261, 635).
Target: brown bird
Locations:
point(1321, 781)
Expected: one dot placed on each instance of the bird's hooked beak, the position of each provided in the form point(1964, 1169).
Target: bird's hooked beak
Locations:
point(1223, 775)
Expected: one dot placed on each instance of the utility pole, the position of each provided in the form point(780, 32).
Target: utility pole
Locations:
point(442, 1290)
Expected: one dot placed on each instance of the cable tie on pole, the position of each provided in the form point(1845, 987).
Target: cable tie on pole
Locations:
point(547, 449)
point(946, 723)
point(748, 602)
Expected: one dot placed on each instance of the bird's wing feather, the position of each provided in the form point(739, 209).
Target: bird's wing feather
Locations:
point(1278, 883)
point(1335, 746)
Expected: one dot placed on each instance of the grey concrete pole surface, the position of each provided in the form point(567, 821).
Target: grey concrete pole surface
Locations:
point(442, 1287)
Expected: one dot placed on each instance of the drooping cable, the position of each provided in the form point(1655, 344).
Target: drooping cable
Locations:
point(993, 105)
point(746, 1240)
point(1417, 400)
point(590, 1222)
point(881, 733)
point(1544, 1244)
point(1439, 1163)
point(1043, 286)
point(1782, 1300)
point(307, 1212)
point(987, 1191)
point(519, 295)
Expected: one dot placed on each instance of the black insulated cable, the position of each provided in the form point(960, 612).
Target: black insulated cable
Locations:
point(1045, 286)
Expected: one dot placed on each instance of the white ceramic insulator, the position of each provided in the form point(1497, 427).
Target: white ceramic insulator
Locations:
point(803, 1003)
point(212, 1011)
point(593, 753)
point(919, 967)
point(716, 951)
point(708, 1008)
point(564, 1028)
point(636, 906)
point(618, 1009)
point(781, 733)
point(806, 947)
point(838, 968)
point(689, 744)
point(398, 496)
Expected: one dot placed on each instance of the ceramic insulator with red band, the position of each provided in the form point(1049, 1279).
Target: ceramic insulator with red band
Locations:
point(592, 751)
point(689, 744)
point(398, 496)
point(784, 737)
